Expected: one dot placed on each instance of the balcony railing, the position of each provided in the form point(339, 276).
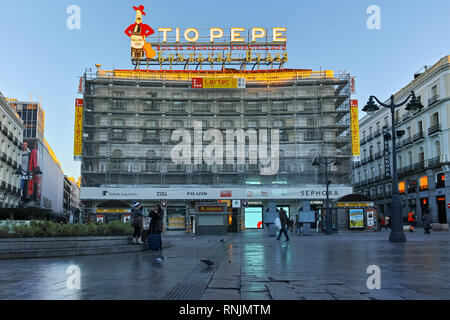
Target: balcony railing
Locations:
point(407, 141)
point(369, 137)
point(418, 136)
point(434, 129)
point(419, 165)
point(434, 161)
point(378, 155)
point(433, 99)
point(377, 133)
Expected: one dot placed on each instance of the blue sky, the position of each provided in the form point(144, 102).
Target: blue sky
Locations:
point(40, 56)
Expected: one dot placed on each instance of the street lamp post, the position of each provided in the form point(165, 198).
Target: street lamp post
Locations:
point(326, 162)
point(397, 234)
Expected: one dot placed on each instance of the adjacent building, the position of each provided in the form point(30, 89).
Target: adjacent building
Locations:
point(40, 191)
point(130, 141)
point(11, 137)
point(72, 200)
point(422, 152)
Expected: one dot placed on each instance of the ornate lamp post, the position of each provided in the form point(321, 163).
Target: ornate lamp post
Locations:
point(326, 161)
point(397, 234)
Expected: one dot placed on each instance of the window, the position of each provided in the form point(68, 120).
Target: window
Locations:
point(423, 183)
point(227, 124)
point(278, 123)
point(201, 107)
point(440, 180)
point(177, 124)
point(118, 103)
point(438, 148)
point(151, 124)
point(151, 136)
point(252, 123)
point(401, 187)
point(434, 91)
point(150, 161)
point(116, 161)
point(178, 106)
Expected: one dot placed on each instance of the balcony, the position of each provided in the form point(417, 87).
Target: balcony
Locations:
point(9, 160)
point(433, 100)
point(377, 133)
point(5, 130)
point(434, 129)
point(418, 136)
point(369, 137)
point(363, 161)
point(363, 141)
point(3, 156)
point(8, 187)
point(419, 165)
point(378, 155)
point(370, 180)
point(399, 144)
point(434, 161)
point(3, 185)
point(407, 141)
point(370, 158)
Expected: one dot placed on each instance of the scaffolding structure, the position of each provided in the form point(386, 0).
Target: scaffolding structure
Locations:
point(130, 115)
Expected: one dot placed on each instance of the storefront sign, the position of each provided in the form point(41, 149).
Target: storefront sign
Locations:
point(236, 203)
point(112, 210)
point(387, 152)
point(126, 218)
point(354, 122)
point(78, 134)
point(218, 83)
point(313, 192)
point(101, 219)
point(356, 218)
point(210, 209)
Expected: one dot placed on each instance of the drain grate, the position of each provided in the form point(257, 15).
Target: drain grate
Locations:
point(193, 287)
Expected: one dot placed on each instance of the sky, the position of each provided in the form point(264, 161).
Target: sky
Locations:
point(42, 58)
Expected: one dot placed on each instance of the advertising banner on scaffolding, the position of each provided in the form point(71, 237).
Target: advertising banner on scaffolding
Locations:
point(78, 132)
point(356, 152)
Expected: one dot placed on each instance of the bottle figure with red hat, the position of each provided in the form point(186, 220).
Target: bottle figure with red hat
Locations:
point(138, 32)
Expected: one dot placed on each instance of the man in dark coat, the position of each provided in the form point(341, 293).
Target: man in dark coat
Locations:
point(138, 216)
point(156, 225)
point(426, 222)
point(284, 220)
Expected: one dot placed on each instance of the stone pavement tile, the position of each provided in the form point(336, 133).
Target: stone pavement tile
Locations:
point(225, 284)
point(411, 294)
point(221, 294)
point(251, 295)
point(251, 278)
point(383, 295)
point(308, 289)
point(315, 296)
point(254, 286)
point(281, 291)
point(340, 291)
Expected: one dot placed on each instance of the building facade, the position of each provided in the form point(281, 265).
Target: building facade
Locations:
point(11, 137)
point(131, 140)
point(422, 152)
point(71, 200)
point(45, 190)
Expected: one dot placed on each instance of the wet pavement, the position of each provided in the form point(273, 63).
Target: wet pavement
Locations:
point(247, 266)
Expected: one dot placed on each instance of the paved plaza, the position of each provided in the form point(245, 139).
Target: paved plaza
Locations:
point(247, 266)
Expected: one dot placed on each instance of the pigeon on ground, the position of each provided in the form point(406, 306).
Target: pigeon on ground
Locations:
point(158, 261)
point(209, 263)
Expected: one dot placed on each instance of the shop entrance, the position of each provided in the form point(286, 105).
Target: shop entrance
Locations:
point(253, 218)
point(442, 210)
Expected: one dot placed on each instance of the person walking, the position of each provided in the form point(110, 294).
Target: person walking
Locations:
point(284, 221)
point(138, 216)
point(383, 223)
point(411, 220)
point(156, 224)
point(426, 222)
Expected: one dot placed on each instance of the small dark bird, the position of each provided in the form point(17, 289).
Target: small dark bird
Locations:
point(222, 240)
point(209, 263)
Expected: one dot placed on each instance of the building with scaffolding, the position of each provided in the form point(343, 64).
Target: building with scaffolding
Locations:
point(130, 116)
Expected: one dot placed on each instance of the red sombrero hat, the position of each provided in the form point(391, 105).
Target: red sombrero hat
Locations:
point(140, 8)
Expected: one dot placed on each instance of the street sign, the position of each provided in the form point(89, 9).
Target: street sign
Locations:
point(448, 205)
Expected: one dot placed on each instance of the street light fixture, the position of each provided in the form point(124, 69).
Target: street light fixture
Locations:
point(397, 234)
point(327, 161)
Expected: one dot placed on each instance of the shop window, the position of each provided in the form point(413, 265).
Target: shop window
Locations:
point(401, 187)
point(440, 183)
point(423, 183)
point(412, 186)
